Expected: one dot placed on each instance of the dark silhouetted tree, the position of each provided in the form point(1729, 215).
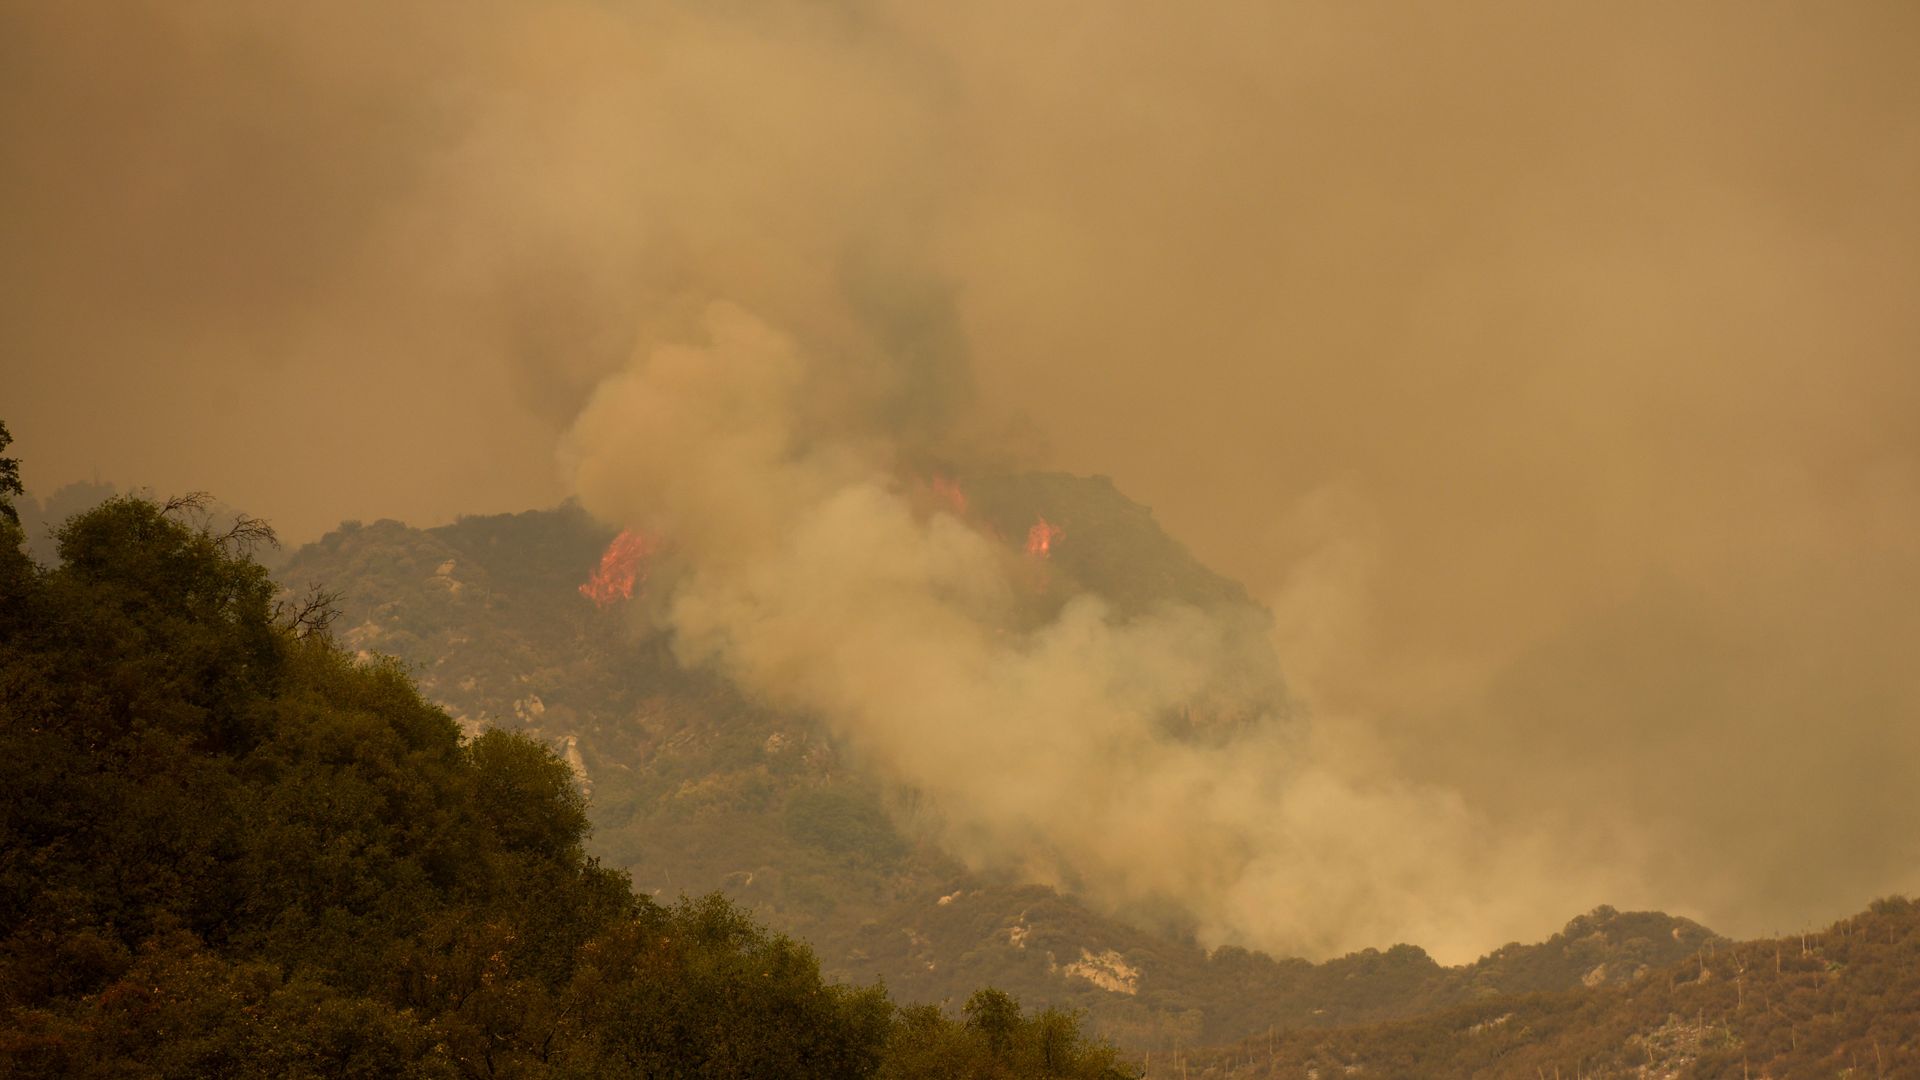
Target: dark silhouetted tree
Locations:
point(9, 478)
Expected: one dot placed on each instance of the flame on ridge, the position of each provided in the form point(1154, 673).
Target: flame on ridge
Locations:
point(620, 569)
point(947, 490)
point(1041, 538)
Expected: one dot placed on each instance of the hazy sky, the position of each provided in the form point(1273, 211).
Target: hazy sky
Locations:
point(1552, 371)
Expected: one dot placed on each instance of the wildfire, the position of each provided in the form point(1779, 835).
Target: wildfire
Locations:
point(620, 569)
point(947, 490)
point(1041, 538)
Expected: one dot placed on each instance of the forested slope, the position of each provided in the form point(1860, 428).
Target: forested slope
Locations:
point(230, 848)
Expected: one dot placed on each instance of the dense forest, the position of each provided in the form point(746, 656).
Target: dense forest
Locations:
point(231, 848)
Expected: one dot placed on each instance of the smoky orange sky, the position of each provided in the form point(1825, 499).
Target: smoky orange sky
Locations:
point(1551, 371)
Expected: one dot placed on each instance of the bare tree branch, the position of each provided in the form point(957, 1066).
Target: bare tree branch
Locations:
point(245, 535)
point(310, 614)
point(193, 503)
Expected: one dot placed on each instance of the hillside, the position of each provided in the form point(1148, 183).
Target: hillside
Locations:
point(692, 787)
point(1842, 1002)
point(232, 846)
point(228, 848)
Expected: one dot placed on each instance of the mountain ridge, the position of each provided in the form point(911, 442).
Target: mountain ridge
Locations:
point(694, 786)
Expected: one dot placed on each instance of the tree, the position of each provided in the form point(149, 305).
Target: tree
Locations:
point(229, 847)
point(9, 478)
point(996, 1015)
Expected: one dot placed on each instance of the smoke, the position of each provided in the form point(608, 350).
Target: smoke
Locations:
point(807, 573)
point(1548, 372)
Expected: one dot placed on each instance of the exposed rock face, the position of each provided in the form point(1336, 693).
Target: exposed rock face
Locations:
point(1107, 970)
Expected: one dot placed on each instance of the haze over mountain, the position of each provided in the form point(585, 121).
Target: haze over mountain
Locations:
point(233, 848)
point(1547, 375)
point(695, 786)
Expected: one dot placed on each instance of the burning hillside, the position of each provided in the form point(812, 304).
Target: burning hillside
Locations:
point(1041, 537)
point(622, 569)
point(697, 788)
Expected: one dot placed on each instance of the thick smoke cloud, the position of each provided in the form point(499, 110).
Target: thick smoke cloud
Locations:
point(1549, 372)
point(806, 572)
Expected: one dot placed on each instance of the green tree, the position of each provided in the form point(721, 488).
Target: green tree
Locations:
point(996, 1016)
point(230, 848)
point(997, 1041)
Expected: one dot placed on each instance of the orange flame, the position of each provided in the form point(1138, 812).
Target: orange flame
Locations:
point(948, 491)
point(620, 569)
point(1041, 537)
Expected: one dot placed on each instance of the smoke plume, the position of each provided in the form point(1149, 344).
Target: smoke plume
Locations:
point(1548, 372)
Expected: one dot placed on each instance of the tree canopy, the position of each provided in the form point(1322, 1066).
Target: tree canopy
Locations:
point(230, 848)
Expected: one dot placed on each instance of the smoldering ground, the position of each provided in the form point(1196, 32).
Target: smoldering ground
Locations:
point(1549, 372)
